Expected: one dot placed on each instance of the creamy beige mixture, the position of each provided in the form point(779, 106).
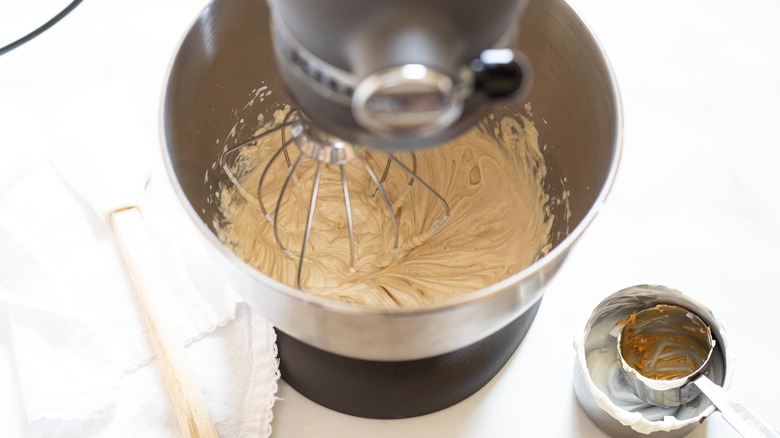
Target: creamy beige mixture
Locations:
point(498, 223)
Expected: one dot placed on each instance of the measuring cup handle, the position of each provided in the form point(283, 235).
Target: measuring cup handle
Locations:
point(736, 414)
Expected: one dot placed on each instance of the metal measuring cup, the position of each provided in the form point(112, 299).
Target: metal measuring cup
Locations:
point(664, 353)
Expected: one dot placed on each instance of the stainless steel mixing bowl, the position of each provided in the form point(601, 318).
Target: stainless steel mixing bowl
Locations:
point(227, 54)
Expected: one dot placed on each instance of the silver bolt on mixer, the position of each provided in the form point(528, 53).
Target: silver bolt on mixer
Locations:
point(384, 77)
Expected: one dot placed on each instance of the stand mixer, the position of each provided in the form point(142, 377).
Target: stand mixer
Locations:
point(378, 79)
point(389, 363)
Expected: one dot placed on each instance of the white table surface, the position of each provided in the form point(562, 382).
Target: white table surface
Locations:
point(695, 205)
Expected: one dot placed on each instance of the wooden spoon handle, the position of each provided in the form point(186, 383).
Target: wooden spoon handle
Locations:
point(183, 389)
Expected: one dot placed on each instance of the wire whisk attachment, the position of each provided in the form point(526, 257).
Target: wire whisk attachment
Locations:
point(324, 159)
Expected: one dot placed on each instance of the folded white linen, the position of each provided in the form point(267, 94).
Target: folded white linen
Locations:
point(76, 332)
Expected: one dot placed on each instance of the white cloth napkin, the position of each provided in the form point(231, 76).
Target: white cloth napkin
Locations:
point(78, 341)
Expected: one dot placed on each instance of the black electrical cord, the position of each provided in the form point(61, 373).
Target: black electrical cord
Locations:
point(40, 30)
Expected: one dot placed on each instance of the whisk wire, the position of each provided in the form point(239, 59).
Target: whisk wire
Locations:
point(387, 202)
point(314, 190)
point(282, 192)
point(286, 121)
point(350, 227)
point(414, 176)
point(271, 161)
point(386, 171)
point(251, 141)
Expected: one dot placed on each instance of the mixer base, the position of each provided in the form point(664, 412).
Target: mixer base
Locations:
point(391, 390)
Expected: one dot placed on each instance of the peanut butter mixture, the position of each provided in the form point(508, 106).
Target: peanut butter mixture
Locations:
point(665, 342)
point(499, 221)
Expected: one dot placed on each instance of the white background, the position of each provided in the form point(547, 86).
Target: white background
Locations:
point(695, 205)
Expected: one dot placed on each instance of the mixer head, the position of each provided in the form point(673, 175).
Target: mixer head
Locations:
point(398, 75)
